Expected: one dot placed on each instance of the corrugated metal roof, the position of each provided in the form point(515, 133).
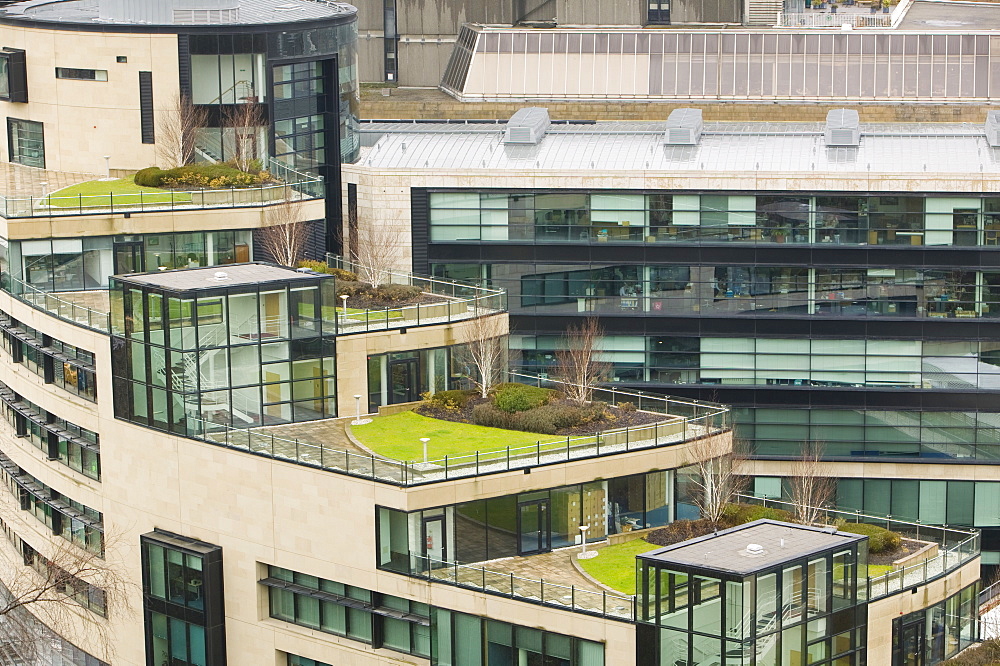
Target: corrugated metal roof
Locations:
point(637, 146)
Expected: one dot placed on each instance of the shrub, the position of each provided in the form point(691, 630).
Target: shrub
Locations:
point(485, 414)
point(317, 266)
point(627, 406)
point(880, 540)
point(149, 177)
point(984, 654)
point(512, 398)
point(200, 176)
point(738, 514)
point(455, 399)
point(679, 530)
point(340, 273)
point(352, 289)
point(391, 294)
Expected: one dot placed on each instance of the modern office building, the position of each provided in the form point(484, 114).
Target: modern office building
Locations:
point(93, 87)
point(835, 283)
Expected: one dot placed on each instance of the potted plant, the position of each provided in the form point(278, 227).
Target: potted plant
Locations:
point(833, 7)
point(886, 6)
point(875, 4)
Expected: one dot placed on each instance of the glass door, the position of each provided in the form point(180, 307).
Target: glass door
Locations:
point(912, 643)
point(434, 552)
point(533, 527)
point(128, 258)
point(403, 381)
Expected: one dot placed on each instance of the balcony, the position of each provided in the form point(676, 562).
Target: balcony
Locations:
point(325, 444)
point(27, 194)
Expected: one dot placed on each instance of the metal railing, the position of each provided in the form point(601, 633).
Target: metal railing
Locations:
point(507, 584)
point(822, 19)
point(291, 185)
point(459, 301)
point(692, 420)
point(52, 304)
point(955, 547)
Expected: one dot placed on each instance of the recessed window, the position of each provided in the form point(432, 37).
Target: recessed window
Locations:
point(121, 59)
point(13, 76)
point(82, 74)
point(26, 142)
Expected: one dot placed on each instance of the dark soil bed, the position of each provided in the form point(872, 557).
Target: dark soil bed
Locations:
point(617, 418)
point(906, 547)
point(363, 302)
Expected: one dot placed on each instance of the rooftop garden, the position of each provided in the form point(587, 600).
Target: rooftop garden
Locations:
point(463, 422)
point(614, 566)
point(98, 193)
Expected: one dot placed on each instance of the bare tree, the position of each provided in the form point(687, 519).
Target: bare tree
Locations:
point(48, 594)
point(486, 348)
point(720, 462)
point(285, 236)
point(813, 490)
point(177, 131)
point(245, 120)
point(377, 250)
point(577, 364)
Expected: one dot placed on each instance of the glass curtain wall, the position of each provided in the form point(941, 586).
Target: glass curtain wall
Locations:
point(240, 357)
point(67, 264)
point(609, 216)
point(672, 290)
point(928, 435)
point(890, 364)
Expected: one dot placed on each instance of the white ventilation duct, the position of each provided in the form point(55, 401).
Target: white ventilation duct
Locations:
point(527, 126)
point(169, 12)
point(843, 128)
point(993, 128)
point(683, 127)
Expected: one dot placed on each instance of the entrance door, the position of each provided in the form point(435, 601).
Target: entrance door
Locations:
point(912, 643)
point(403, 381)
point(434, 551)
point(128, 258)
point(534, 535)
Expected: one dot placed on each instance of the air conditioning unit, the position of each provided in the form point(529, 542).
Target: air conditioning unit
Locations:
point(527, 126)
point(843, 128)
point(683, 127)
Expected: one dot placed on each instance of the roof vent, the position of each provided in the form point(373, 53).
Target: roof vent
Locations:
point(220, 276)
point(843, 128)
point(993, 128)
point(754, 550)
point(169, 12)
point(683, 127)
point(527, 126)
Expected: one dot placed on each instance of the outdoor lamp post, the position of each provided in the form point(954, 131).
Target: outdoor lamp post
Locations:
point(583, 554)
point(343, 297)
point(357, 410)
point(425, 440)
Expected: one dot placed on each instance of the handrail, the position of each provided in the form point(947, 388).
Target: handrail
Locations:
point(305, 186)
point(701, 420)
point(536, 590)
point(459, 301)
point(49, 303)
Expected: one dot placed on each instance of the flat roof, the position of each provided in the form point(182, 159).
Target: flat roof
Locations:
point(728, 550)
point(934, 15)
point(251, 12)
point(744, 147)
point(217, 277)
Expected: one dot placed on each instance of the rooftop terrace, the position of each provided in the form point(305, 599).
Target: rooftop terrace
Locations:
point(250, 12)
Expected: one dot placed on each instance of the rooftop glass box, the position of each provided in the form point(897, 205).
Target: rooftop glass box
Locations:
point(246, 346)
point(765, 593)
